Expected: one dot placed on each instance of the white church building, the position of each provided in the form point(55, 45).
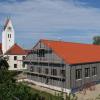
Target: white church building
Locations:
point(8, 48)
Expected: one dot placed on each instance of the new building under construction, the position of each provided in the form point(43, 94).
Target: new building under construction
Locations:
point(63, 65)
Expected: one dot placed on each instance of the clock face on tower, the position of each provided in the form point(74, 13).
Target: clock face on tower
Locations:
point(9, 28)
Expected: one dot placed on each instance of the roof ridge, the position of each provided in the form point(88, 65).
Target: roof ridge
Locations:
point(73, 53)
point(17, 50)
point(9, 49)
point(6, 23)
point(68, 42)
point(19, 46)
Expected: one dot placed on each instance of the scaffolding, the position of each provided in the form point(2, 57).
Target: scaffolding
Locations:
point(49, 78)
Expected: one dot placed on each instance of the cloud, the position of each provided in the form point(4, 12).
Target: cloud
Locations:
point(47, 15)
point(49, 18)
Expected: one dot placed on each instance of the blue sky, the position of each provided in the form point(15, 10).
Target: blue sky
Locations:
point(68, 20)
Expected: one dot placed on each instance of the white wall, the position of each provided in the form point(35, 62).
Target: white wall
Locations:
point(8, 42)
point(19, 63)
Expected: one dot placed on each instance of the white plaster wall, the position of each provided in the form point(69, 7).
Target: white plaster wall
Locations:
point(3, 42)
point(19, 63)
point(7, 43)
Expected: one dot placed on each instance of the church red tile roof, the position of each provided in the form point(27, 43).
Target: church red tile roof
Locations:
point(27, 51)
point(74, 53)
point(16, 50)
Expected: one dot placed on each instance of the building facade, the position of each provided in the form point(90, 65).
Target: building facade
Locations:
point(62, 65)
point(8, 36)
point(14, 53)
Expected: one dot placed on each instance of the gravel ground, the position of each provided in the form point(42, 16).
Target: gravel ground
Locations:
point(89, 94)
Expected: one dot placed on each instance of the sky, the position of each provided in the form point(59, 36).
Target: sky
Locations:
point(66, 20)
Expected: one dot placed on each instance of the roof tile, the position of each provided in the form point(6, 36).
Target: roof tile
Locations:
point(16, 50)
point(75, 53)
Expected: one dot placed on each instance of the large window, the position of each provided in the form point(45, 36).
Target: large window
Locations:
point(78, 73)
point(41, 53)
point(53, 72)
point(15, 57)
point(94, 71)
point(87, 72)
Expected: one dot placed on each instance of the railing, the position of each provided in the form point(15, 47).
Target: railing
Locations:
point(39, 60)
point(41, 74)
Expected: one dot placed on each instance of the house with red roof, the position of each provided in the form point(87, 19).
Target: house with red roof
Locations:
point(14, 53)
point(63, 65)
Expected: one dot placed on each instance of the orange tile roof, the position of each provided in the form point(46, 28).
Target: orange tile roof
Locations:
point(16, 50)
point(74, 53)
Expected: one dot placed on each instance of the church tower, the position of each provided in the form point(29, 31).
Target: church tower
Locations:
point(8, 37)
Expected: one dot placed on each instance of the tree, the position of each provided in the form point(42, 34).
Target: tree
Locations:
point(96, 40)
point(11, 90)
point(3, 64)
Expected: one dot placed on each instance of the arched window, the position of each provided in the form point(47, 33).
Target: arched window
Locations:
point(8, 35)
